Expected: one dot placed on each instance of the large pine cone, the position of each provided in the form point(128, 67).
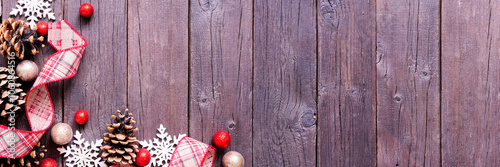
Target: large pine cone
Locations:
point(120, 145)
point(17, 37)
point(12, 96)
point(31, 160)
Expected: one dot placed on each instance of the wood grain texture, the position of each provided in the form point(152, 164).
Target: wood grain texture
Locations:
point(295, 82)
point(221, 73)
point(55, 89)
point(284, 131)
point(100, 87)
point(470, 76)
point(158, 65)
point(346, 97)
point(408, 83)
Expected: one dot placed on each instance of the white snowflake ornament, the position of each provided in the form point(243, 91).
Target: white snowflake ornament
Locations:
point(82, 153)
point(33, 10)
point(162, 147)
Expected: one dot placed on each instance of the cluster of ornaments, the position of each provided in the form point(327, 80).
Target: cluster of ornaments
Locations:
point(221, 140)
point(119, 145)
point(22, 38)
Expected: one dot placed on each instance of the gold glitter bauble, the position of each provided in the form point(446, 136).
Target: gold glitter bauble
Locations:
point(233, 159)
point(27, 70)
point(61, 133)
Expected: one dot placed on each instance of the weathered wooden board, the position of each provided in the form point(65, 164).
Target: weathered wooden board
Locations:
point(158, 65)
point(408, 83)
point(470, 77)
point(100, 87)
point(285, 46)
point(346, 97)
point(221, 73)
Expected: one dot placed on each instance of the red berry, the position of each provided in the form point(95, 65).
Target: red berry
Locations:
point(143, 157)
point(48, 162)
point(42, 28)
point(86, 10)
point(221, 139)
point(81, 117)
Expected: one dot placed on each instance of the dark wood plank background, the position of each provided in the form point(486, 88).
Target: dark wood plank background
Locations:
point(295, 82)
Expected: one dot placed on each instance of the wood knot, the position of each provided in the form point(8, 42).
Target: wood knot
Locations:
point(353, 92)
point(203, 100)
point(308, 118)
point(425, 74)
point(398, 99)
point(231, 125)
point(208, 5)
point(329, 13)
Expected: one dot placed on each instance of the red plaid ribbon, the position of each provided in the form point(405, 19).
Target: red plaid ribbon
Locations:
point(39, 108)
point(192, 153)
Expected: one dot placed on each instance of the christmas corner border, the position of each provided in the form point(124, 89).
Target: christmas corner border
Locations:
point(39, 108)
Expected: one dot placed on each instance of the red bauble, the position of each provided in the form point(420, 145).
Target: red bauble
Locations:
point(221, 139)
point(42, 28)
point(86, 10)
point(143, 157)
point(48, 162)
point(81, 117)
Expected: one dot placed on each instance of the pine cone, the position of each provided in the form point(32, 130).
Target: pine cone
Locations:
point(12, 96)
point(120, 145)
point(16, 36)
point(31, 160)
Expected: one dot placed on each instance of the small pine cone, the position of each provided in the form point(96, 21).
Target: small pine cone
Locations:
point(12, 96)
point(120, 144)
point(31, 160)
point(17, 37)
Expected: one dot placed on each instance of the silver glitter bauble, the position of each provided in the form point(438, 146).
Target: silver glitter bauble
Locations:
point(27, 70)
point(61, 133)
point(233, 159)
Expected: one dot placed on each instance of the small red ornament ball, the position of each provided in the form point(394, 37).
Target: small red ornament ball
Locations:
point(86, 10)
point(81, 117)
point(48, 162)
point(42, 28)
point(221, 139)
point(143, 157)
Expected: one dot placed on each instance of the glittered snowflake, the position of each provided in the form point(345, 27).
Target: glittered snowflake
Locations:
point(162, 147)
point(82, 153)
point(33, 10)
